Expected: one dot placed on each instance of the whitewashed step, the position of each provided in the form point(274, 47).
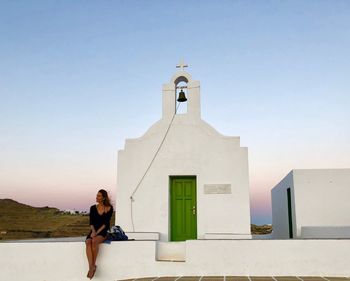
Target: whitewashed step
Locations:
point(171, 251)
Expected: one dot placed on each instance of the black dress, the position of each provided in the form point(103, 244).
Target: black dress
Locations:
point(98, 220)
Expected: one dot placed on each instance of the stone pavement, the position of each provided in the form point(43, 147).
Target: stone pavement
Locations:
point(240, 278)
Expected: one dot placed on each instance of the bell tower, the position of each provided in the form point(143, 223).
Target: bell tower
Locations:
point(181, 85)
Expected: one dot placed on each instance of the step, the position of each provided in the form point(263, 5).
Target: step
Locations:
point(171, 251)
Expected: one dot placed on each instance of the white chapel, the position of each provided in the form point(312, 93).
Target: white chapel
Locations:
point(182, 180)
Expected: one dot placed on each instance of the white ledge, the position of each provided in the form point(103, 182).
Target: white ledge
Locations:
point(226, 236)
point(145, 236)
point(325, 232)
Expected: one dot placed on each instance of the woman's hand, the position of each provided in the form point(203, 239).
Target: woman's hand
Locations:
point(93, 233)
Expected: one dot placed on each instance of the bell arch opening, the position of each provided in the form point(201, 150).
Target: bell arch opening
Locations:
point(180, 79)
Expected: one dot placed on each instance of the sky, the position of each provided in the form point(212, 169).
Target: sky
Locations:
point(79, 77)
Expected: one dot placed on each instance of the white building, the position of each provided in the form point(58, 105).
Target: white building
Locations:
point(183, 179)
point(312, 204)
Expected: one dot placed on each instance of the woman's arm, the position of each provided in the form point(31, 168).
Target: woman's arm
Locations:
point(109, 215)
point(100, 229)
point(93, 230)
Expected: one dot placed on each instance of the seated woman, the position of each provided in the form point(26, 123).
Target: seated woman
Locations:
point(100, 216)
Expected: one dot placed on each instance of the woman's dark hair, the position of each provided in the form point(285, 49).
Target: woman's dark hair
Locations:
point(106, 201)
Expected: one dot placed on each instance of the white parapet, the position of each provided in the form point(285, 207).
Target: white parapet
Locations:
point(66, 261)
point(171, 251)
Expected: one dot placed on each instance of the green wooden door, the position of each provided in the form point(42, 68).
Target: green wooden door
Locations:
point(183, 208)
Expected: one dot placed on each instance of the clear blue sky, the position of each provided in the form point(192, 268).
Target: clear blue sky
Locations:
point(78, 77)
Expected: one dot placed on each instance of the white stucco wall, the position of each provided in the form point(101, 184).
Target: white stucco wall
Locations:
point(135, 259)
point(319, 204)
point(191, 148)
point(322, 197)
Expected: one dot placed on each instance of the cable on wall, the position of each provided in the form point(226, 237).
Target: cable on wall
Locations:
point(149, 166)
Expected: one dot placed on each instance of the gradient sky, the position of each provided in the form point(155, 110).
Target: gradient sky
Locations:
point(79, 77)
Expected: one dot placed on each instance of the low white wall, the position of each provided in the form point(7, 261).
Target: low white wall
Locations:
point(270, 257)
point(134, 259)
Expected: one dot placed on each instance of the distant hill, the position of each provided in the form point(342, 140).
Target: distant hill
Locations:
point(20, 221)
point(261, 229)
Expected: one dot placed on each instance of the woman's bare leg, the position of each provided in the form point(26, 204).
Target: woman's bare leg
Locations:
point(89, 253)
point(96, 241)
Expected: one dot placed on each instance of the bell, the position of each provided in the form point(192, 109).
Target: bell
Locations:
point(182, 97)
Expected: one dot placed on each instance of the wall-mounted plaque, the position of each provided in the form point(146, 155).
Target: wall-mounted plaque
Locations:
point(217, 189)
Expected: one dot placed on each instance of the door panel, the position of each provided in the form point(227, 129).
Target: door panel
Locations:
point(183, 208)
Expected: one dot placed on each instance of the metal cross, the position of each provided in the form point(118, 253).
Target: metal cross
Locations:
point(181, 65)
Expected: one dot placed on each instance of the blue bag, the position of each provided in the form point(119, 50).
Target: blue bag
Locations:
point(116, 233)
